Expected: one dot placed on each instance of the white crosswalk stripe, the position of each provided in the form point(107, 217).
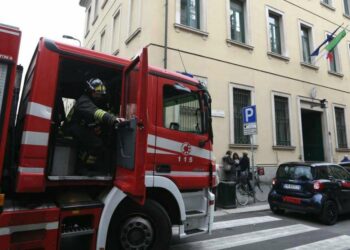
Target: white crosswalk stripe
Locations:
point(337, 243)
point(245, 238)
point(243, 222)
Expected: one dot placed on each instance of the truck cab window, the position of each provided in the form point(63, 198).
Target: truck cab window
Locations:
point(182, 110)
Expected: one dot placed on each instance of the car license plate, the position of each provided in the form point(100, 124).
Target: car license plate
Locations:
point(291, 200)
point(291, 186)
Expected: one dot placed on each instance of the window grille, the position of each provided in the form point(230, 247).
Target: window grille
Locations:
point(341, 128)
point(282, 121)
point(241, 99)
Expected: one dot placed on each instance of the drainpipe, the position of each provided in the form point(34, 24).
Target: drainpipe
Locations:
point(166, 36)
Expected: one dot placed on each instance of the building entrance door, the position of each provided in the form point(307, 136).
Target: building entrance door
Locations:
point(312, 135)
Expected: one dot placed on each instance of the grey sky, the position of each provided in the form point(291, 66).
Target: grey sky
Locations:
point(43, 18)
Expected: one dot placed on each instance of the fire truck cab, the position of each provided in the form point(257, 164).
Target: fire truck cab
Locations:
point(155, 177)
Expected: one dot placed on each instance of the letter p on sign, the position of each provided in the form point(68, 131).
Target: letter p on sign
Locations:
point(249, 114)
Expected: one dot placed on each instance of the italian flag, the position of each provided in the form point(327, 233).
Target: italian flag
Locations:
point(333, 43)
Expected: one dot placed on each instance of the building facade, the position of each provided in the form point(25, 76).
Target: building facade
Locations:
point(248, 53)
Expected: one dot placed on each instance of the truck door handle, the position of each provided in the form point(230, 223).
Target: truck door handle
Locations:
point(163, 168)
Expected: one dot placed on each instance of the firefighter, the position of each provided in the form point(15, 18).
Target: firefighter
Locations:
point(88, 120)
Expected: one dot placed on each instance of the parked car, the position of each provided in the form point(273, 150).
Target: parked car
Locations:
point(345, 162)
point(345, 165)
point(319, 188)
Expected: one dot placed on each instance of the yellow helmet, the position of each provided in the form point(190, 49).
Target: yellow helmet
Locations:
point(95, 85)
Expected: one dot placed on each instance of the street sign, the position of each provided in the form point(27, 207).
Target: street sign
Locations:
point(249, 120)
point(249, 114)
point(250, 128)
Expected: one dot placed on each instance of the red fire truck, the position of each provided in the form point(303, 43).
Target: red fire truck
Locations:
point(157, 172)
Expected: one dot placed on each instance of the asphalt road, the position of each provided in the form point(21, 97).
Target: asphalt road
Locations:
point(267, 231)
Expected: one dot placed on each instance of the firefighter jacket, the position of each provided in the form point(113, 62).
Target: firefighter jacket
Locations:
point(87, 114)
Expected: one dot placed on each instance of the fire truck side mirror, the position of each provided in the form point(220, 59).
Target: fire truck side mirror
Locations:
point(207, 102)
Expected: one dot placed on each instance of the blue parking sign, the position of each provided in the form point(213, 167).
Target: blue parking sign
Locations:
point(249, 114)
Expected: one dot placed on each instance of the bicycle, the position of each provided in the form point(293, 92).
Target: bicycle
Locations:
point(243, 192)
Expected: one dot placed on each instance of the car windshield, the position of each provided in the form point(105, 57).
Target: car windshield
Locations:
point(292, 172)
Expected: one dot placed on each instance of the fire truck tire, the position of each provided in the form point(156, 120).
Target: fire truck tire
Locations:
point(140, 227)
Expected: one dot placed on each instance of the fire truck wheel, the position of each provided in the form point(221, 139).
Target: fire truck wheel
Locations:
point(140, 227)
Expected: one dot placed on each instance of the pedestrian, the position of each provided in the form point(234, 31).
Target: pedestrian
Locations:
point(244, 162)
point(345, 159)
point(245, 166)
point(227, 165)
point(227, 161)
point(236, 168)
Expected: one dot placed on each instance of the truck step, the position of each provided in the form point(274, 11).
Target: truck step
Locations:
point(194, 231)
point(195, 213)
point(74, 231)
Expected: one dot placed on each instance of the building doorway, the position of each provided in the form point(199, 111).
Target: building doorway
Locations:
point(312, 135)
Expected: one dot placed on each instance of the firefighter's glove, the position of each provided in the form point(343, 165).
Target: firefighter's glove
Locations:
point(120, 122)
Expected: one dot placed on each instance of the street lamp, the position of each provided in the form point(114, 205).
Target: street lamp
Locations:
point(72, 38)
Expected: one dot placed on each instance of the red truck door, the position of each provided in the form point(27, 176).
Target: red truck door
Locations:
point(132, 138)
point(9, 48)
point(183, 148)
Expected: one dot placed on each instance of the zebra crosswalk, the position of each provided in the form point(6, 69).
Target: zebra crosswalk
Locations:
point(337, 243)
point(243, 222)
point(246, 238)
point(265, 232)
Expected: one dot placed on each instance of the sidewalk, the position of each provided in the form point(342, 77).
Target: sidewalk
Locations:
point(251, 207)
